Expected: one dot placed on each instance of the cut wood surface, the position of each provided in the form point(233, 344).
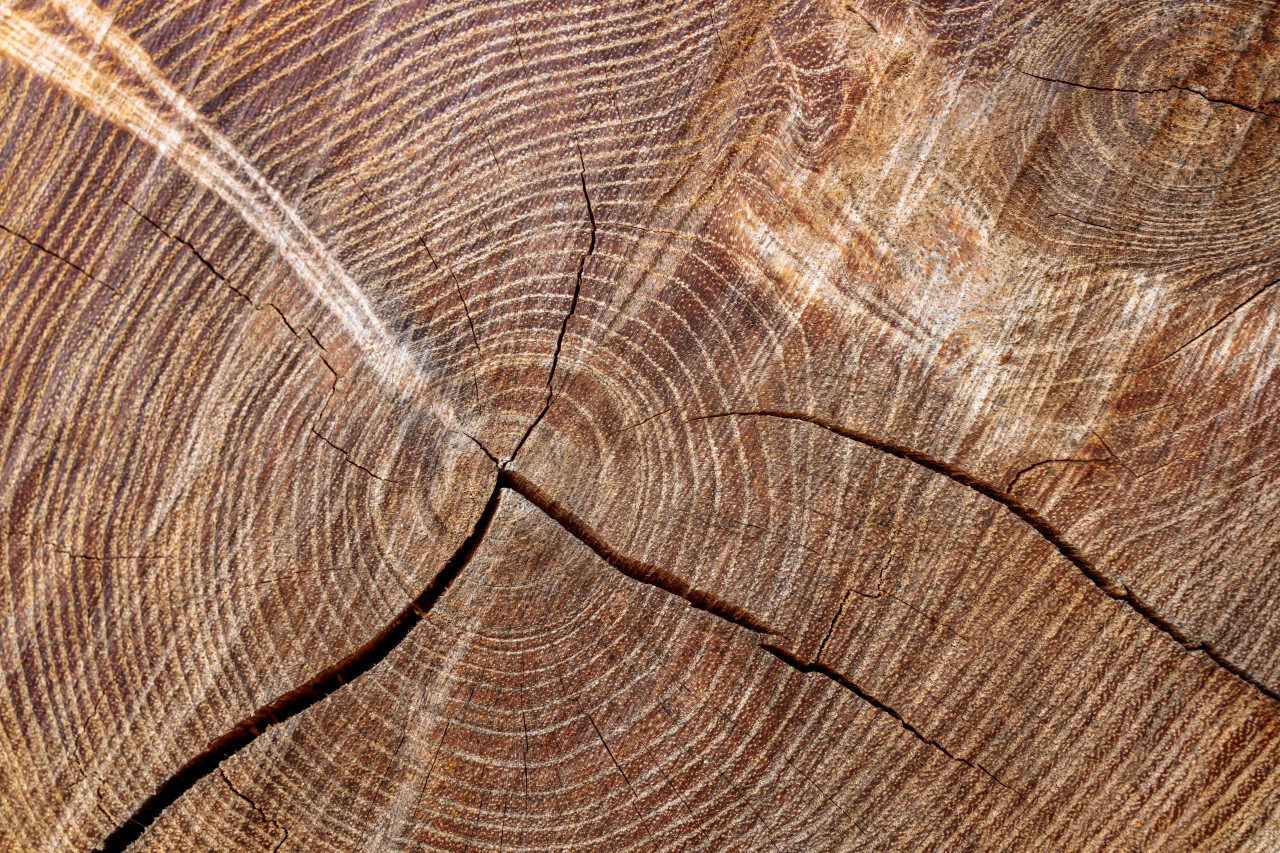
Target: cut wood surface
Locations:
point(639, 426)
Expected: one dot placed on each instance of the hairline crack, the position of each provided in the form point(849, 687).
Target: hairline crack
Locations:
point(573, 307)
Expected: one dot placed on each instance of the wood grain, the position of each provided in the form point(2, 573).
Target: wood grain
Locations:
point(657, 426)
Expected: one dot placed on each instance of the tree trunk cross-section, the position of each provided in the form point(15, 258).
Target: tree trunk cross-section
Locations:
point(786, 425)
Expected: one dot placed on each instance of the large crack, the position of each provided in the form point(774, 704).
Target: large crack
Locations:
point(301, 698)
point(573, 307)
point(672, 583)
point(636, 570)
point(373, 652)
point(1110, 586)
point(378, 648)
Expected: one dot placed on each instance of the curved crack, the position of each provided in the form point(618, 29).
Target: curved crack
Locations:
point(162, 118)
point(1012, 485)
point(1111, 587)
point(376, 649)
point(257, 808)
point(1159, 90)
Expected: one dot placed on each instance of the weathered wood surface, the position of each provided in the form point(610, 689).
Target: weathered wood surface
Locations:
point(383, 381)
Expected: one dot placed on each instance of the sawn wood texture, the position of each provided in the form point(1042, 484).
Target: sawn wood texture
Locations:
point(652, 426)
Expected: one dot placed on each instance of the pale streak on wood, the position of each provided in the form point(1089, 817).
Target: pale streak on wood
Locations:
point(149, 107)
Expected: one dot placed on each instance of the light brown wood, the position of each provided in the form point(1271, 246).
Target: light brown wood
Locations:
point(656, 426)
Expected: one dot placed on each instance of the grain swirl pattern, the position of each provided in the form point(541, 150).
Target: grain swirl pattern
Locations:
point(657, 426)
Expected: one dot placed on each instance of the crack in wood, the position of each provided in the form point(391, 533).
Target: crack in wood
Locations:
point(346, 457)
point(796, 663)
point(1012, 485)
point(182, 241)
point(635, 569)
point(1111, 587)
point(573, 306)
point(842, 680)
point(38, 246)
point(373, 652)
point(257, 808)
point(190, 247)
point(159, 115)
point(674, 584)
point(1159, 90)
point(1216, 323)
point(295, 701)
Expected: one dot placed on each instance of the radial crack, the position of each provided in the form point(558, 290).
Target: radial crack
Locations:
point(1216, 323)
point(796, 663)
point(346, 457)
point(355, 665)
point(632, 568)
point(76, 46)
point(45, 249)
point(182, 241)
point(1110, 586)
point(299, 699)
point(573, 306)
point(678, 586)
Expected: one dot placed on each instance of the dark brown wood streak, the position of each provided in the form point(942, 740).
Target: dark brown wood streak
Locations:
point(804, 425)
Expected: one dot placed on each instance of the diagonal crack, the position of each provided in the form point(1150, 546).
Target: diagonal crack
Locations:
point(346, 456)
point(799, 665)
point(1012, 485)
point(678, 586)
point(376, 649)
point(573, 306)
point(79, 50)
point(1110, 586)
point(457, 285)
point(1216, 323)
point(301, 698)
point(636, 570)
point(183, 241)
point(43, 248)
